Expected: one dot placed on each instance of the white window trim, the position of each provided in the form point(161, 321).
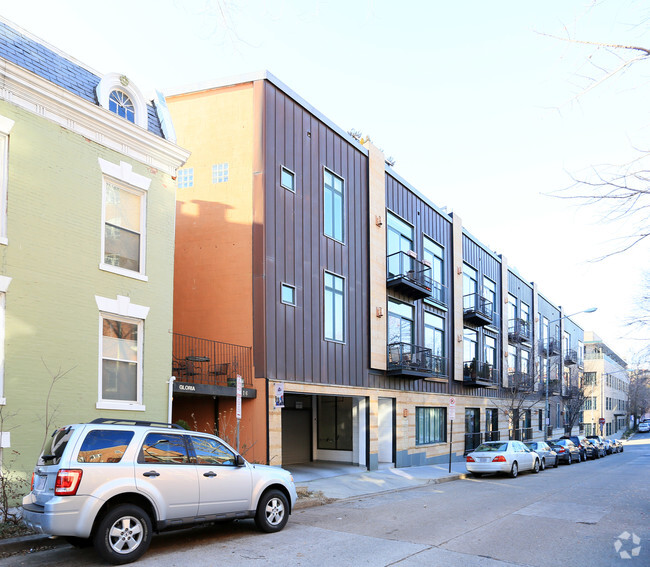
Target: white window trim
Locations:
point(138, 183)
point(4, 286)
point(116, 81)
point(121, 308)
point(6, 124)
point(293, 174)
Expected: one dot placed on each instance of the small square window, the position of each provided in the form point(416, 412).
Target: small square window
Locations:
point(220, 173)
point(288, 294)
point(185, 178)
point(288, 179)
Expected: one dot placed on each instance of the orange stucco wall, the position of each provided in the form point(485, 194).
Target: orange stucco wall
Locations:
point(213, 282)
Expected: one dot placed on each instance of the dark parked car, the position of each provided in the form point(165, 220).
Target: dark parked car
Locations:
point(578, 441)
point(566, 451)
point(597, 448)
point(548, 457)
point(600, 440)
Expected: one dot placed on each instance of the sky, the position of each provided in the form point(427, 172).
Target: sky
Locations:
point(483, 106)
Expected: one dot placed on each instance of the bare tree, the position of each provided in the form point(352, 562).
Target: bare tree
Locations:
point(639, 393)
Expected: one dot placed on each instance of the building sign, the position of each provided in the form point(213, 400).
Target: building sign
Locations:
point(279, 395)
point(212, 390)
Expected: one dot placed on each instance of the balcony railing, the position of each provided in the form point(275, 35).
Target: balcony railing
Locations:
point(477, 309)
point(519, 331)
point(554, 386)
point(477, 373)
point(554, 347)
point(473, 440)
point(408, 275)
point(406, 359)
point(210, 363)
point(520, 381)
point(438, 293)
point(522, 434)
point(570, 357)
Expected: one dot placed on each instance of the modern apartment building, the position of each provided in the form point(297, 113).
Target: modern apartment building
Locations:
point(87, 203)
point(370, 314)
point(607, 384)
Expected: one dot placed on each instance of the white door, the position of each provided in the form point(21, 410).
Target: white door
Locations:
point(386, 430)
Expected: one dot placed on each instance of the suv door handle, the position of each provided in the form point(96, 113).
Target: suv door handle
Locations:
point(210, 474)
point(151, 473)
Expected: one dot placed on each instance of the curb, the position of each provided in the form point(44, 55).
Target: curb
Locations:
point(11, 546)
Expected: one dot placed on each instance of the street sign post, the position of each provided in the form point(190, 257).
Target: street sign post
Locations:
point(240, 387)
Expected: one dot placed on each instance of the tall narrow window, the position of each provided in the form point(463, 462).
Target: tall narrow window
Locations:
point(4, 286)
point(434, 339)
point(399, 241)
point(470, 287)
point(490, 294)
point(470, 346)
point(512, 307)
point(400, 323)
point(334, 206)
point(124, 210)
point(434, 255)
point(334, 307)
point(6, 125)
point(121, 359)
point(490, 347)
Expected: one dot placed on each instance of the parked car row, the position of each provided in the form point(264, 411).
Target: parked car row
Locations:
point(513, 457)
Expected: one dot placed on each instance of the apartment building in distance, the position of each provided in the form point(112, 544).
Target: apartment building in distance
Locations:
point(607, 382)
point(87, 203)
point(368, 311)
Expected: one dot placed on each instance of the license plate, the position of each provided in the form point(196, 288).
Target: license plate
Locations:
point(484, 460)
point(40, 483)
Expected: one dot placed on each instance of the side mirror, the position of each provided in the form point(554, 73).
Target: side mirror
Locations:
point(239, 461)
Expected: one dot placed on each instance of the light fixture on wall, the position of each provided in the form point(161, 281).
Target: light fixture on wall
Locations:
point(459, 270)
point(380, 311)
point(378, 221)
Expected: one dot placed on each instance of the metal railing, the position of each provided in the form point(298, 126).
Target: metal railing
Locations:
point(520, 381)
point(519, 330)
point(405, 356)
point(473, 440)
point(570, 357)
point(476, 304)
point(403, 265)
point(521, 434)
point(203, 361)
point(476, 371)
point(438, 293)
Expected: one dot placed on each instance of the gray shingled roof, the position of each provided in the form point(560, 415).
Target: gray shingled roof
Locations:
point(44, 62)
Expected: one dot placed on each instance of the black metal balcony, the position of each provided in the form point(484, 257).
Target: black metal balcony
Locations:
point(554, 386)
point(570, 357)
point(438, 293)
point(477, 373)
point(477, 309)
point(554, 346)
point(522, 434)
point(408, 275)
point(571, 392)
point(405, 359)
point(519, 331)
point(520, 381)
point(203, 366)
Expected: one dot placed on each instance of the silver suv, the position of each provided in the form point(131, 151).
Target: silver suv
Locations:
point(111, 483)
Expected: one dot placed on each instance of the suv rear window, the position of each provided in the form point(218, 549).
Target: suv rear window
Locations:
point(54, 446)
point(104, 446)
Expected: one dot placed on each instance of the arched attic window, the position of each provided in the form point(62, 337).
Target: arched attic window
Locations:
point(115, 92)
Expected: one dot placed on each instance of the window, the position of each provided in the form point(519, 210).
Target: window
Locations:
point(288, 179)
point(400, 323)
point(5, 128)
point(490, 293)
point(120, 103)
point(288, 294)
point(399, 241)
point(589, 379)
point(430, 425)
point(470, 280)
point(164, 449)
point(433, 255)
point(491, 422)
point(558, 415)
point(334, 199)
point(434, 334)
point(490, 350)
point(540, 420)
point(525, 315)
point(525, 362)
point(220, 173)
point(209, 451)
point(566, 342)
point(470, 345)
point(334, 308)
point(512, 307)
point(335, 423)
point(581, 353)
point(120, 353)
point(4, 286)
point(104, 446)
point(124, 220)
point(185, 178)
point(512, 359)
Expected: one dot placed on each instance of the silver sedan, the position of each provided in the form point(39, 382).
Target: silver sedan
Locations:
point(548, 457)
point(508, 457)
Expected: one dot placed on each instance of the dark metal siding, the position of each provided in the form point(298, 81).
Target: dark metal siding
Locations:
point(298, 253)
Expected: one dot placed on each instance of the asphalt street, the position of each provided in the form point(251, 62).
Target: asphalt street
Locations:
point(571, 516)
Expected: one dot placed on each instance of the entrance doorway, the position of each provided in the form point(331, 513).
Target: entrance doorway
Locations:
point(386, 431)
point(472, 429)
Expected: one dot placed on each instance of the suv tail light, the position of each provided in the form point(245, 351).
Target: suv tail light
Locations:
point(470, 459)
point(31, 487)
point(499, 459)
point(67, 482)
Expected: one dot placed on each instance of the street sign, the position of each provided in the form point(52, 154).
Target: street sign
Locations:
point(240, 387)
point(452, 409)
point(601, 420)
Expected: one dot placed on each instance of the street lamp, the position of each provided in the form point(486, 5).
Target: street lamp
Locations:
point(548, 364)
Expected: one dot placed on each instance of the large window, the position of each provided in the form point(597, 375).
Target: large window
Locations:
point(121, 359)
point(430, 425)
point(334, 206)
point(5, 127)
point(525, 312)
point(524, 362)
point(434, 334)
point(4, 286)
point(335, 423)
point(512, 359)
point(124, 220)
point(400, 323)
point(490, 350)
point(512, 307)
point(470, 280)
point(470, 345)
point(490, 293)
point(433, 254)
point(399, 238)
point(334, 307)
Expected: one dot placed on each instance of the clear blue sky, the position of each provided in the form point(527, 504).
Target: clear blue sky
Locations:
point(472, 100)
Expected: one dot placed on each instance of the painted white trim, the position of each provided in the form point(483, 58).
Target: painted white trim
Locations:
point(117, 81)
point(124, 172)
point(123, 272)
point(39, 96)
point(126, 406)
point(122, 306)
point(6, 124)
point(4, 284)
point(4, 175)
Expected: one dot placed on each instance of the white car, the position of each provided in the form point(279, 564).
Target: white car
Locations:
point(508, 457)
point(644, 427)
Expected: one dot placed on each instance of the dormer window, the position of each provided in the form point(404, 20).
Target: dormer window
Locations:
point(116, 93)
point(121, 104)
